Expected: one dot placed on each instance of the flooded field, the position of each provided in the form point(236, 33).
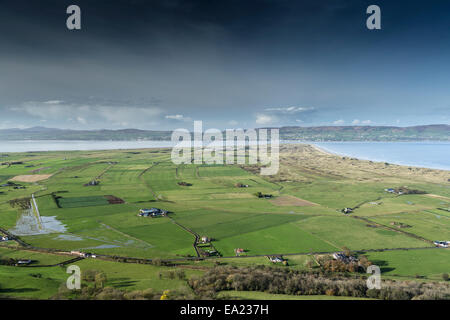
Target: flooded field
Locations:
point(29, 224)
point(68, 237)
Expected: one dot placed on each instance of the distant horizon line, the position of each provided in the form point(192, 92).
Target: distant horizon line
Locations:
point(265, 127)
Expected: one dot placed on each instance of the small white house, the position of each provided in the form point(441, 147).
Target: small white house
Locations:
point(153, 212)
point(442, 244)
point(276, 259)
point(205, 239)
point(78, 253)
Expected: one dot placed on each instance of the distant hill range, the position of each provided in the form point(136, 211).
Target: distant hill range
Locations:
point(438, 132)
point(42, 133)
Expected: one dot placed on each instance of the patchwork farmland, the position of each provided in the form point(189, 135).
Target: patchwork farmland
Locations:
point(302, 217)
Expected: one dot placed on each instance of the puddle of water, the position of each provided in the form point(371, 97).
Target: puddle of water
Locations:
point(68, 237)
point(29, 225)
point(104, 246)
point(292, 212)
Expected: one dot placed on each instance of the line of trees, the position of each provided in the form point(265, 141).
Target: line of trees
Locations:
point(292, 282)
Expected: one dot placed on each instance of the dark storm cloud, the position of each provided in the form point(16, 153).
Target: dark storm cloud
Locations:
point(219, 61)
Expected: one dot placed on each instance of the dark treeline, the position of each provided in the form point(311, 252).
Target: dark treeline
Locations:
point(286, 281)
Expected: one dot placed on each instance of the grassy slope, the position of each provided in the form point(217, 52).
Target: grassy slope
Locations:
point(426, 263)
point(42, 283)
point(254, 295)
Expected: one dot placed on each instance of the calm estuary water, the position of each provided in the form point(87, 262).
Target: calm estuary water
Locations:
point(421, 154)
point(70, 145)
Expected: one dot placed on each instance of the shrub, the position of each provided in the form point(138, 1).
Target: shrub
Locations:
point(330, 292)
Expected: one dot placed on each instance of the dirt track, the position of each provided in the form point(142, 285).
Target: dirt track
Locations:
point(291, 201)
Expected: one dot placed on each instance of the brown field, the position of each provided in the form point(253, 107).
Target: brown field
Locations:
point(31, 178)
point(291, 201)
point(114, 200)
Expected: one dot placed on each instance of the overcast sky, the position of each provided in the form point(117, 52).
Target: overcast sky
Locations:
point(231, 63)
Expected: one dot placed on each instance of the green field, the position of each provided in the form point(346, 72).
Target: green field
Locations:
point(430, 264)
point(302, 219)
point(77, 202)
point(43, 283)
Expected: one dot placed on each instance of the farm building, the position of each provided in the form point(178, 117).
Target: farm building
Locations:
point(205, 239)
point(92, 183)
point(404, 190)
point(238, 251)
point(347, 210)
point(240, 185)
point(276, 259)
point(209, 253)
point(442, 244)
point(88, 255)
point(5, 238)
point(152, 212)
point(81, 254)
point(342, 257)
